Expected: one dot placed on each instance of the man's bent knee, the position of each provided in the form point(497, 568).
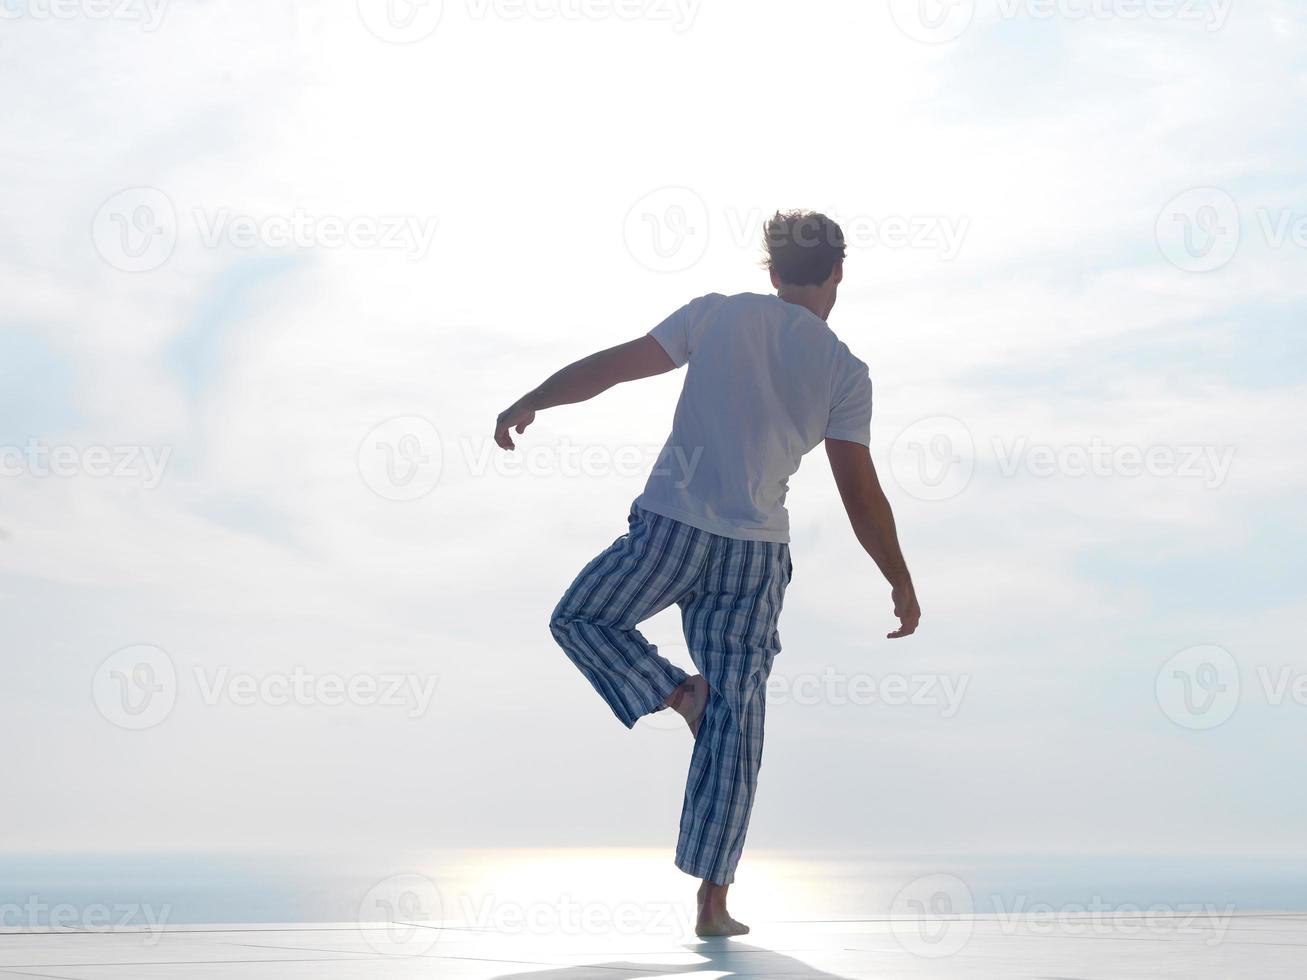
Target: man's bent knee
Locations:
point(561, 620)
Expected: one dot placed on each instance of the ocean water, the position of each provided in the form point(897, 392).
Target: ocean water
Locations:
point(562, 889)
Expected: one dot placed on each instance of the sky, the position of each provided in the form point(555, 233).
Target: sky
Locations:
point(272, 269)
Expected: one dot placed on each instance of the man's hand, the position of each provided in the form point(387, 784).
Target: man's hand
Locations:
point(906, 609)
point(515, 418)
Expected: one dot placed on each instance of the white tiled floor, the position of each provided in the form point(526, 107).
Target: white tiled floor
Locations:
point(1256, 947)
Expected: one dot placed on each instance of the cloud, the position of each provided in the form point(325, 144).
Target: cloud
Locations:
point(1059, 325)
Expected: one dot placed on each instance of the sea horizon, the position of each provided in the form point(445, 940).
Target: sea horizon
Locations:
point(612, 888)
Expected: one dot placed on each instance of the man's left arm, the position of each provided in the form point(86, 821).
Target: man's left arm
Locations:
point(582, 380)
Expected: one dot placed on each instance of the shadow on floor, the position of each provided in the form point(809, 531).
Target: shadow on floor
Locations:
point(730, 957)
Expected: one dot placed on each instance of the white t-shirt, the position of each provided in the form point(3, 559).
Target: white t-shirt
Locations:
point(768, 381)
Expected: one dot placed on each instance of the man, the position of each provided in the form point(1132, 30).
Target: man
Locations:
point(768, 380)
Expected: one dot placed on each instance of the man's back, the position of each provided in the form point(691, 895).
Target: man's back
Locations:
point(767, 381)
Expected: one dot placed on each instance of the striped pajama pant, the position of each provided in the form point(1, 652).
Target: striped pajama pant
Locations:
point(729, 592)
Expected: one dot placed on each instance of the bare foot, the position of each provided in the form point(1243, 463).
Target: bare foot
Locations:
point(713, 918)
point(689, 701)
point(724, 925)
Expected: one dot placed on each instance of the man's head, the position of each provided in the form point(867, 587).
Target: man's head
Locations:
point(805, 254)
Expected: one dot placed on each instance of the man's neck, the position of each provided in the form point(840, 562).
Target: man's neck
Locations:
point(807, 298)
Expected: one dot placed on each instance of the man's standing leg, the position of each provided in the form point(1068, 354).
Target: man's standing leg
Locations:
point(731, 629)
point(646, 570)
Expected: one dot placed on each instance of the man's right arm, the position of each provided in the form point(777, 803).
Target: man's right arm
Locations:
point(580, 381)
point(873, 523)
